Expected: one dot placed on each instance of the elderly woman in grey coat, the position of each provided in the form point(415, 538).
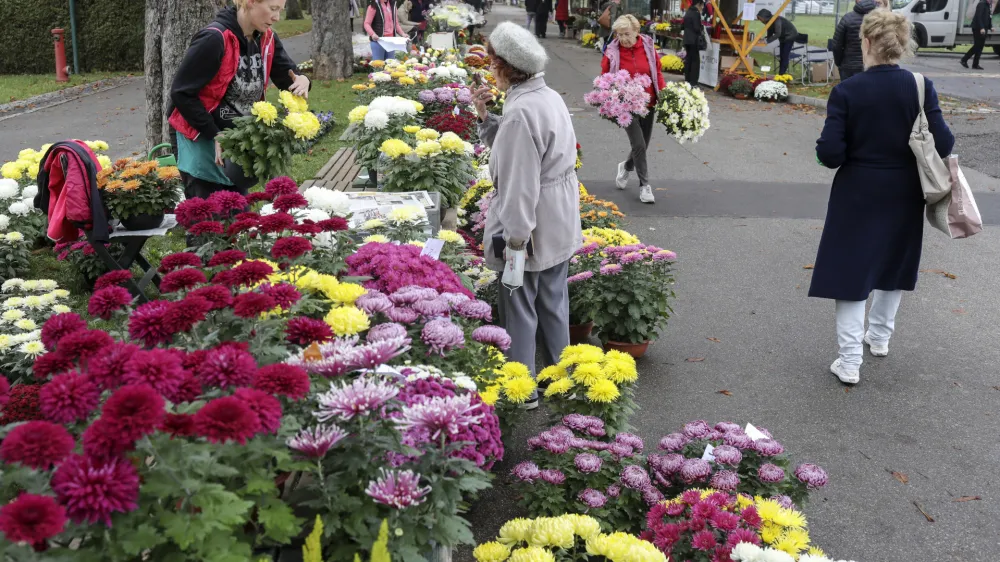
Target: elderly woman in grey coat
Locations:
point(537, 196)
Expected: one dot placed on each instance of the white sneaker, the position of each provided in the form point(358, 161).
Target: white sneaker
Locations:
point(646, 194)
point(875, 349)
point(845, 375)
point(622, 179)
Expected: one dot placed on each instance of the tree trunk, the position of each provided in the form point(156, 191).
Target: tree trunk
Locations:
point(332, 52)
point(170, 24)
point(293, 10)
point(306, 6)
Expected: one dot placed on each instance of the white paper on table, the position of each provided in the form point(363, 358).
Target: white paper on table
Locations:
point(709, 453)
point(391, 44)
point(754, 433)
point(432, 248)
point(749, 12)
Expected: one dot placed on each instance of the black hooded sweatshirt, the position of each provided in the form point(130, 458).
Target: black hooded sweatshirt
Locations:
point(201, 63)
point(847, 38)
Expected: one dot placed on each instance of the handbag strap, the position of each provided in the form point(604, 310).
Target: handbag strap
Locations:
point(920, 89)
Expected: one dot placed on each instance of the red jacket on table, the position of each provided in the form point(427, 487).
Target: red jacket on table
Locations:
point(638, 60)
point(65, 189)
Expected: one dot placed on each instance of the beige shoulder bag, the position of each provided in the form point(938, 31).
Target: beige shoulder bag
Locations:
point(935, 178)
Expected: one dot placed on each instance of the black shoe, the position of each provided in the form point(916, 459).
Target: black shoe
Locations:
point(964, 63)
point(977, 67)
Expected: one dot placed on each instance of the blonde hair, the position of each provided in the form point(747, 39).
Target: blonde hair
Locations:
point(890, 35)
point(627, 21)
point(240, 4)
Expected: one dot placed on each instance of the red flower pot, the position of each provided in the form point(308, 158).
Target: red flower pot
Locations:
point(636, 350)
point(580, 333)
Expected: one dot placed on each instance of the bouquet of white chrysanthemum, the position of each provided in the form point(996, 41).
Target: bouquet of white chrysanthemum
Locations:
point(384, 118)
point(683, 110)
point(771, 90)
point(26, 305)
point(263, 142)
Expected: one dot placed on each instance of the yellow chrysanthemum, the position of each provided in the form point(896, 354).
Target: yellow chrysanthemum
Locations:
point(532, 554)
point(513, 370)
point(11, 171)
point(377, 64)
point(418, 106)
point(491, 552)
point(412, 129)
point(552, 532)
point(603, 391)
point(406, 214)
point(611, 236)
point(407, 81)
point(582, 353)
point(620, 367)
point(26, 324)
point(584, 526)
point(515, 531)
point(357, 114)
point(292, 102)
point(347, 320)
point(769, 533)
point(552, 373)
point(583, 190)
point(427, 134)
point(452, 143)
point(416, 243)
point(518, 390)
point(372, 224)
point(793, 541)
point(588, 374)
point(744, 501)
point(394, 148)
point(559, 387)
point(623, 547)
point(104, 161)
point(61, 309)
point(265, 112)
point(451, 237)
point(490, 395)
point(346, 293)
point(305, 125)
point(375, 238)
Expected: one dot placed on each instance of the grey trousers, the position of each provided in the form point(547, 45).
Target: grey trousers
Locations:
point(639, 131)
point(537, 312)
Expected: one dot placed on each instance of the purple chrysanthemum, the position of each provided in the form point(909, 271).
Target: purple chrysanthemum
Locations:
point(476, 310)
point(631, 440)
point(611, 269)
point(651, 495)
point(697, 429)
point(441, 414)
point(673, 442)
point(526, 471)
point(725, 480)
point(635, 477)
point(811, 475)
point(694, 470)
point(397, 488)
point(552, 476)
point(442, 335)
point(373, 354)
point(770, 473)
point(620, 451)
point(588, 462)
point(316, 441)
point(726, 427)
point(614, 491)
point(768, 447)
point(727, 454)
point(411, 294)
point(784, 501)
point(492, 335)
point(432, 308)
point(358, 398)
point(592, 498)
point(738, 439)
point(386, 331)
point(402, 315)
point(582, 276)
point(373, 301)
point(455, 299)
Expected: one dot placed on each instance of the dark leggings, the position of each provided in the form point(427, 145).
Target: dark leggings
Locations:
point(692, 64)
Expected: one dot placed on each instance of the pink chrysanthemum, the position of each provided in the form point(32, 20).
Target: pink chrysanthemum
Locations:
point(227, 366)
point(146, 324)
point(179, 260)
point(397, 488)
point(358, 398)
point(68, 398)
point(281, 185)
point(52, 363)
point(285, 203)
point(284, 294)
point(182, 315)
point(316, 441)
point(228, 201)
point(207, 227)
point(37, 444)
point(267, 407)
point(257, 197)
point(226, 419)
point(32, 519)
point(276, 223)
point(441, 415)
point(333, 224)
point(178, 425)
point(290, 247)
point(60, 325)
point(105, 302)
point(182, 280)
point(304, 331)
point(218, 297)
point(93, 491)
point(84, 344)
point(283, 380)
point(441, 335)
point(195, 210)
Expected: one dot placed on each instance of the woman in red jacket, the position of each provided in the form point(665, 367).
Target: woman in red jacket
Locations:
point(637, 54)
point(562, 16)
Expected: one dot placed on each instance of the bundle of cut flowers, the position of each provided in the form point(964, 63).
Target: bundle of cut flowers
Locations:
point(683, 110)
point(771, 90)
point(382, 119)
point(594, 383)
point(588, 39)
point(26, 307)
point(17, 203)
point(436, 162)
point(750, 464)
point(705, 525)
point(576, 466)
point(619, 96)
point(566, 538)
point(263, 142)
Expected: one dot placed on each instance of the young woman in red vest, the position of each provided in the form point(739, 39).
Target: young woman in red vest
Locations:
point(226, 69)
point(381, 21)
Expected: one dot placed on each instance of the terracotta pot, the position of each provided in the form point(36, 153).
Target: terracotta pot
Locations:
point(580, 333)
point(636, 350)
point(740, 96)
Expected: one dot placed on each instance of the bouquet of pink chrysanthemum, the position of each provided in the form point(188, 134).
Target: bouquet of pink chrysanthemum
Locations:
point(619, 96)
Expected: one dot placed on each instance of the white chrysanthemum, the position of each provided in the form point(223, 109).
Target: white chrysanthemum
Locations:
point(745, 552)
point(372, 224)
point(8, 188)
point(48, 299)
point(465, 382)
point(60, 293)
point(6, 342)
point(19, 209)
point(32, 348)
point(267, 209)
point(812, 558)
point(28, 336)
point(13, 302)
point(30, 192)
point(393, 105)
point(14, 237)
point(12, 315)
point(376, 119)
point(11, 284)
point(33, 301)
point(336, 203)
point(4, 222)
point(407, 214)
point(381, 77)
point(49, 285)
point(30, 285)
point(26, 324)
point(61, 309)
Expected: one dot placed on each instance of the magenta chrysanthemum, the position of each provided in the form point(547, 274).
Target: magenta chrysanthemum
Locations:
point(217, 296)
point(68, 398)
point(32, 519)
point(226, 419)
point(290, 247)
point(289, 201)
point(134, 411)
point(358, 398)
point(52, 363)
point(811, 475)
point(492, 335)
point(252, 305)
point(228, 201)
point(282, 380)
point(37, 444)
point(267, 407)
point(704, 540)
point(195, 210)
point(182, 280)
point(592, 498)
point(284, 295)
point(84, 344)
point(281, 185)
point(441, 335)
point(227, 366)
point(146, 323)
point(526, 471)
point(304, 331)
point(105, 302)
point(93, 491)
point(770, 473)
point(161, 369)
point(179, 260)
point(588, 463)
point(116, 277)
point(316, 441)
point(227, 257)
point(59, 326)
point(694, 470)
point(441, 415)
point(582, 276)
point(397, 488)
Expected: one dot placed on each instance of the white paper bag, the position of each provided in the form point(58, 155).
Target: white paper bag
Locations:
point(957, 215)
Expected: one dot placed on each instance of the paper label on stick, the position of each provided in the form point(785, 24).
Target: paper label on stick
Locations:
point(709, 454)
point(754, 433)
point(432, 248)
point(749, 12)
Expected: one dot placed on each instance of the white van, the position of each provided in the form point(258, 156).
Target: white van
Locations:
point(945, 23)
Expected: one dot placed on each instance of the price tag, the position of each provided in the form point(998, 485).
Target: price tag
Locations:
point(456, 111)
point(765, 69)
point(754, 433)
point(709, 453)
point(433, 248)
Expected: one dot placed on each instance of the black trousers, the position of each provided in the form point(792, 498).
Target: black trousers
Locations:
point(845, 74)
point(978, 42)
point(541, 22)
point(692, 64)
point(562, 28)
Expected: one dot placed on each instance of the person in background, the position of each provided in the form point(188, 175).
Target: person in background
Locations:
point(537, 195)
point(784, 32)
point(562, 16)
point(847, 40)
point(694, 33)
point(982, 24)
point(352, 10)
point(381, 21)
point(614, 8)
point(875, 220)
point(529, 9)
point(637, 54)
point(417, 11)
point(226, 69)
point(542, 12)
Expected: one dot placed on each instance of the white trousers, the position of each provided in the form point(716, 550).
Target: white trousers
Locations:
point(851, 325)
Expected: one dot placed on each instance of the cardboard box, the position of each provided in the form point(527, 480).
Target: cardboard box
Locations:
point(819, 72)
point(727, 61)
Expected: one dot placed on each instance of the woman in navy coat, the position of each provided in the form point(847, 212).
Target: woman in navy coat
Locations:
point(875, 219)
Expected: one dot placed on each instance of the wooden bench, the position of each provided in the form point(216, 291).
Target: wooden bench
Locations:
point(339, 173)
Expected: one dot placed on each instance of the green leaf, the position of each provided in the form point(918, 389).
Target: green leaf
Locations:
point(143, 537)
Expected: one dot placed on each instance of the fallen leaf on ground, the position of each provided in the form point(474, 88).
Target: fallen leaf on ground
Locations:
point(903, 479)
point(940, 272)
point(695, 359)
point(847, 389)
point(705, 163)
point(996, 388)
point(810, 266)
point(661, 189)
point(716, 340)
point(959, 311)
point(964, 499)
point(922, 512)
point(725, 392)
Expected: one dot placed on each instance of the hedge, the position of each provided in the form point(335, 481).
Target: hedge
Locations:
point(110, 34)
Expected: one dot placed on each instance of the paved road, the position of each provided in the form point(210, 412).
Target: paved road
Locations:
point(743, 209)
point(951, 79)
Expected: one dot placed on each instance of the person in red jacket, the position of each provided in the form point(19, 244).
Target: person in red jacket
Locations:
point(225, 71)
point(637, 54)
point(562, 16)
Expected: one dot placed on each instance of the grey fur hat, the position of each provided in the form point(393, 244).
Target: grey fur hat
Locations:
point(519, 47)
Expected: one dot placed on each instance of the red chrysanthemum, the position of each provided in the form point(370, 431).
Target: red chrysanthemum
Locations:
point(307, 228)
point(111, 278)
point(241, 226)
point(258, 197)
point(194, 358)
point(284, 294)
point(283, 380)
point(52, 363)
point(250, 273)
point(104, 440)
point(333, 224)
point(195, 210)
point(32, 519)
point(216, 295)
point(290, 247)
point(61, 325)
point(23, 405)
point(181, 280)
point(68, 398)
point(182, 315)
point(4, 391)
point(286, 203)
point(146, 324)
point(304, 331)
point(281, 185)
point(227, 257)
point(227, 366)
point(37, 444)
point(228, 201)
point(178, 425)
point(93, 490)
point(278, 222)
point(188, 390)
point(85, 344)
point(104, 302)
point(267, 408)
point(179, 260)
point(226, 419)
point(252, 305)
point(107, 368)
point(134, 411)
point(159, 368)
point(247, 216)
point(207, 227)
